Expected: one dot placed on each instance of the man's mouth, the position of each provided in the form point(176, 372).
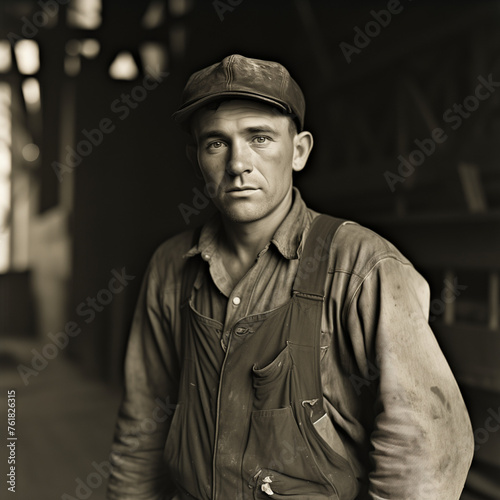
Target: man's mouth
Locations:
point(242, 189)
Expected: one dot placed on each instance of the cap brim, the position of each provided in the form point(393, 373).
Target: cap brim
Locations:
point(185, 112)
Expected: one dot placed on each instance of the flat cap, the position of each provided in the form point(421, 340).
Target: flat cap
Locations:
point(241, 77)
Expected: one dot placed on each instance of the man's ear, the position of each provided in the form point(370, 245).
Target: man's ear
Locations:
point(302, 144)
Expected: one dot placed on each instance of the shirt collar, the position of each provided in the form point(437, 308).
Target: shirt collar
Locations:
point(287, 238)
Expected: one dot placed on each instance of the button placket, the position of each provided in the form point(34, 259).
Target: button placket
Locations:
point(238, 300)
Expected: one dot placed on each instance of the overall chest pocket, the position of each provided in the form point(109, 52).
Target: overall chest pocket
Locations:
point(277, 460)
point(272, 384)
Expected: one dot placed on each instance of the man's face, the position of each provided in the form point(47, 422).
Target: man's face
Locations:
point(245, 151)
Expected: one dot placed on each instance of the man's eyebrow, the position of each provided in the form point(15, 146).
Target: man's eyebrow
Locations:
point(261, 130)
point(210, 134)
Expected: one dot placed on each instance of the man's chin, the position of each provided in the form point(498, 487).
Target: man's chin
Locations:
point(240, 218)
point(239, 213)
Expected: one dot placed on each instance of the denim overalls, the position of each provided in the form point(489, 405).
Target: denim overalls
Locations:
point(244, 427)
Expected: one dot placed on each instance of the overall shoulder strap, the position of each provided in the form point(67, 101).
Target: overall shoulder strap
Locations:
point(313, 265)
point(310, 284)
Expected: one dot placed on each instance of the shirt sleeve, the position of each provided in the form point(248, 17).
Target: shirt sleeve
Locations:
point(421, 442)
point(151, 371)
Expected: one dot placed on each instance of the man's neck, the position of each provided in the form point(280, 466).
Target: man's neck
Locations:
point(242, 242)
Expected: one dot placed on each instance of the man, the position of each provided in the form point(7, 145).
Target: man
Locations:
point(294, 347)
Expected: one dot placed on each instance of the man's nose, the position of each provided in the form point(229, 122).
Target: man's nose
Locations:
point(239, 160)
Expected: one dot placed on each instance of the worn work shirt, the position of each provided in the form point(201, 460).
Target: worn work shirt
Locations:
point(388, 390)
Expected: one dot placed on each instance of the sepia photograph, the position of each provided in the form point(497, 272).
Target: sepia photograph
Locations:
point(249, 249)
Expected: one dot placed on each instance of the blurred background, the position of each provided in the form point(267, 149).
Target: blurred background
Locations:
point(403, 99)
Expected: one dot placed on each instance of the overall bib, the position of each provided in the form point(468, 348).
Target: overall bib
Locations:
point(244, 425)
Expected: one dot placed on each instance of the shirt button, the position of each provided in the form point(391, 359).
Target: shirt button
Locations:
point(236, 301)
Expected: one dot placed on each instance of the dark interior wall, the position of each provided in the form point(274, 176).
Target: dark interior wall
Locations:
point(127, 193)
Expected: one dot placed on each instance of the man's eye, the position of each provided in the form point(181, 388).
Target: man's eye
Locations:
point(215, 145)
point(261, 139)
